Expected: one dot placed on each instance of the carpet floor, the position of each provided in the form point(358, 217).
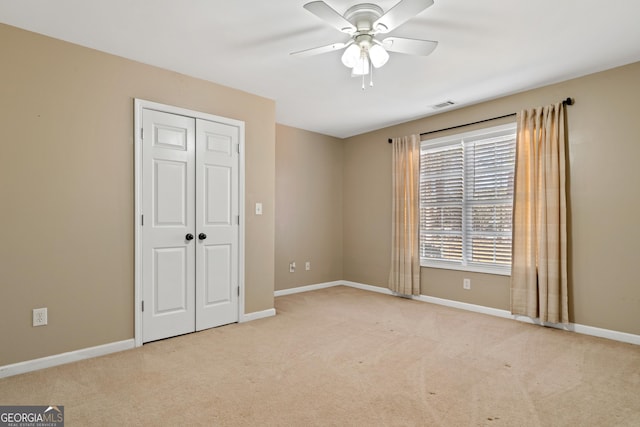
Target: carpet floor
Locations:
point(345, 357)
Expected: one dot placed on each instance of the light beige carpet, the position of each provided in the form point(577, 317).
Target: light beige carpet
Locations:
point(345, 357)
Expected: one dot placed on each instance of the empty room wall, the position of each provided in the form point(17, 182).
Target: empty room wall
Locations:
point(604, 200)
point(67, 189)
point(309, 171)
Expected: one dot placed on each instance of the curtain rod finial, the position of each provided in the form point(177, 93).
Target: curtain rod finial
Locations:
point(390, 140)
point(568, 101)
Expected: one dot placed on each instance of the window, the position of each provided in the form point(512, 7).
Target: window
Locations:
point(466, 200)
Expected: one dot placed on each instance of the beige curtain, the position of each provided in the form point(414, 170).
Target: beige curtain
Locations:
point(404, 277)
point(539, 265)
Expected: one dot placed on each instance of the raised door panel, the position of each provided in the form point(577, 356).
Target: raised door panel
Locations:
point(218, 196)
point(170, 281)
point(218, 264)
point(170, 193)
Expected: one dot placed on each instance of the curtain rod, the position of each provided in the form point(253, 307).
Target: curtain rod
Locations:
point(568, 101)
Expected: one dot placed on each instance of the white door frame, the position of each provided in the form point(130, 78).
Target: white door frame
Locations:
point(139, 105)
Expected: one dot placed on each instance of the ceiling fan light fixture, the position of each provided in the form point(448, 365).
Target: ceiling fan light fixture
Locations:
point(378, 55)
point(351, 56)
point(363, 52)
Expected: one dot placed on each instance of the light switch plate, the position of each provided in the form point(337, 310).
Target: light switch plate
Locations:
point(258, 208)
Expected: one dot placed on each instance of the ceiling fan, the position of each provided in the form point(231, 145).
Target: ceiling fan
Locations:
point(362, 22)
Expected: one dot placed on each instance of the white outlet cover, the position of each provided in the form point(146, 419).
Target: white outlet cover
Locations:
point(39, 316)
point(258, 208)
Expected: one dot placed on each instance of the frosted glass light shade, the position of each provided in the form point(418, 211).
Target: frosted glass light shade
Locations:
point(361, 67)
point(378, 55)
point(351, 56)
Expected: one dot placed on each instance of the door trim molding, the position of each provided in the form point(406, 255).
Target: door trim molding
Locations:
point(139, 105)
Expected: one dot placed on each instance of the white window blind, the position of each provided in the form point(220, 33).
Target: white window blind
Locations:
point(466, 200)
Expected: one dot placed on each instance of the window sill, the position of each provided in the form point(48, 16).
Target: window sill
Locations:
point(471, 268)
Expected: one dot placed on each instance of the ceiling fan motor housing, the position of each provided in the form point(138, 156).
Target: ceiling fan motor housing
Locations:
point(362, 16)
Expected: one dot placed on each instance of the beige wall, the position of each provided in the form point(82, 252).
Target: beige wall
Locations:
point(309, 170)
point(604, 198)
point(67, 189)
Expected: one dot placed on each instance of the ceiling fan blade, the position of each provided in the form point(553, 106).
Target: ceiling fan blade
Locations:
point(319, 50)
point(409, 46)
point(399, 14)
point(330, 16)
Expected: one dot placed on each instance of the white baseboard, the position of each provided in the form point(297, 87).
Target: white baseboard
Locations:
point(369, 288)
point(63, 358)
point(606, 333)
point(465, 306)
point(306, 288)
point(573, 327)
point(257, 315)
point(584, 329)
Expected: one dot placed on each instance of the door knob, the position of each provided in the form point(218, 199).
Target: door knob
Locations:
point(189, 236)
point(202, 236)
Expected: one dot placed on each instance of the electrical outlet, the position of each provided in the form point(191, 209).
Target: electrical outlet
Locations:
point(39, 316)
point(466, 284)
point(307, 265)
point(292, 267)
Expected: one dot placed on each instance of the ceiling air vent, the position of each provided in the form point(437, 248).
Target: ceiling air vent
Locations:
point(444, 104)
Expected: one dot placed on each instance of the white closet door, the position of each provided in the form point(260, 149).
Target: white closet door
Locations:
point(217, 224)
point(168, 232)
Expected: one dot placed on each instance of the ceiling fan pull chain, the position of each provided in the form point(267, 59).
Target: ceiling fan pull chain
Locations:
point(370, 74)
point(362, 55)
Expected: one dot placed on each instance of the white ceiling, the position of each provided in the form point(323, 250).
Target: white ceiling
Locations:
point(486, 49)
